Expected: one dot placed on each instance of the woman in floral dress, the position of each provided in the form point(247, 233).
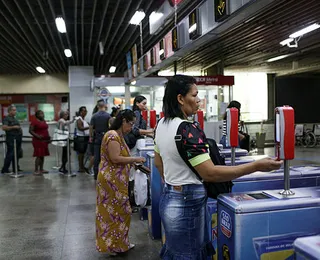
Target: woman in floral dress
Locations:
point(113, 212)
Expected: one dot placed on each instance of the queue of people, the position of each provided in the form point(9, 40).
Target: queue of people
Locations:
point(111, 141)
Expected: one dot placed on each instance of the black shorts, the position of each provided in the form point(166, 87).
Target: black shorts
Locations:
point(81, 144)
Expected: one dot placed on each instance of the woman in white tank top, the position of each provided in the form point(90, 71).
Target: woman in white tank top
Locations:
point(82, 133)
point(182, 205)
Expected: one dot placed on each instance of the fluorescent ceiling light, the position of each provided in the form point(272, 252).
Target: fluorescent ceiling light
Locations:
point(161, 52)
point(61, 25)
point(155, 16)
point(286, 41)
point(193, 28)
point(133, 82)
point(40, 70)
point(101, 49)
point(68, 53)
point(308, 29)
point(112, 69)
point(278, 58)
point(137, 17)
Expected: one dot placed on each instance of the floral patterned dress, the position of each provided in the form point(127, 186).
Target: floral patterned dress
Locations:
point(113, 211)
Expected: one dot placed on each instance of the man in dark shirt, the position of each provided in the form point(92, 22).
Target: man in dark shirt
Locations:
point(13, 131)
point(99, 125)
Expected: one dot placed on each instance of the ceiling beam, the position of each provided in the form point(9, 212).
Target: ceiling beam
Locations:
point(91, 31)
point(76, 31)
point(27, 40)
point(51, 64)
point(67, 34)
point(61, 49)
point(58, 51)
point(127, 31)
point(48, 43)
point(96, 51)
point(82, 32)
point(110, 41)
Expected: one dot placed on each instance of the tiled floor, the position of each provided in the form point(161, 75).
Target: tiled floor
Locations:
point(52, 217)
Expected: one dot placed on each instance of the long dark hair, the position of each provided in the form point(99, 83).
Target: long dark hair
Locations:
point(179, 84)
point(233, 104)
point(126, 114)
point(137, 99)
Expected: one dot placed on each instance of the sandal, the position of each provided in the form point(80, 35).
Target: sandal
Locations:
point(45, 172)
point(131, 246)
point(37, 174)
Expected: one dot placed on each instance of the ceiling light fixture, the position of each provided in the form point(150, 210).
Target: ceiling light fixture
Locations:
point(286, 41)
point(193, 28)
point(278, 58)
point(68, 53)
point(101, 49)
point(155, 17)
point(112, 69)
point(306, 30)
point(61, 25)
point(40, 70)
point(137, 17)
point(161, 52)
point(133, 82)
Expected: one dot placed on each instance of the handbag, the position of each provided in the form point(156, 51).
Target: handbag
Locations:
point(60, 137)
point(213, 189)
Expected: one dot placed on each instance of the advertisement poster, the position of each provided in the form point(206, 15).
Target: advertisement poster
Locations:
point(129, 64)
point(168, 45)
point(48, 110)
point(134, 54)
point(147, 63)
point(157, 53)
point(22, 112)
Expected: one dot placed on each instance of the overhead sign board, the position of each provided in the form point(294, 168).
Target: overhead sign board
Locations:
point(220, 10)
point(194, 25)
point(219, 80)
point(175, 39)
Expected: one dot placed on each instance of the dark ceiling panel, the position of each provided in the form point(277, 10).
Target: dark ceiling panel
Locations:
point(29, 37)
point(250, 44)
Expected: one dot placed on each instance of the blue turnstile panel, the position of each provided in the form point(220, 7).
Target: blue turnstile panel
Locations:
point(245, 159)
point(264, 225)
point(239, 152)
point(307, 248)
point(143, 153)
point(156, 188)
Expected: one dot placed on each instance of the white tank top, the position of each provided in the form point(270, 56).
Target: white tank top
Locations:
point(85, 125)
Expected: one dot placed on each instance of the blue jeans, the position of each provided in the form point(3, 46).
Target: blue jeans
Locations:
point(10, 158)
point(184, 214)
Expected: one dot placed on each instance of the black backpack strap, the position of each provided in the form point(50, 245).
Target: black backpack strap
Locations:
point(182, 152)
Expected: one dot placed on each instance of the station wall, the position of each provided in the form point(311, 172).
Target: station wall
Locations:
point(31, 84)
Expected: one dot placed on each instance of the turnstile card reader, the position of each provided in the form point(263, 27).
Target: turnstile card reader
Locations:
point(264, 224)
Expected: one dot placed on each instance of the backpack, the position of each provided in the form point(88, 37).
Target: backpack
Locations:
point(213, 189)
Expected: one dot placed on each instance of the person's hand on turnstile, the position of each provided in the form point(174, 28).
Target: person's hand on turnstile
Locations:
point(268, 164)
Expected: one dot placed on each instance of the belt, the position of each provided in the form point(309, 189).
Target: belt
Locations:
point(100, 133)
point(187, 187)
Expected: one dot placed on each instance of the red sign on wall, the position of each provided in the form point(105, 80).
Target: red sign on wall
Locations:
point(175, 2)
point(168, 42)
point(219, 80)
